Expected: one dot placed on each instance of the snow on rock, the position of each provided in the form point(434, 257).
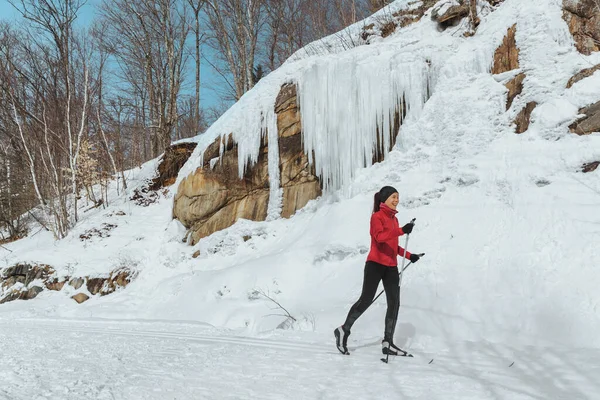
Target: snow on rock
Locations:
point(445, 11)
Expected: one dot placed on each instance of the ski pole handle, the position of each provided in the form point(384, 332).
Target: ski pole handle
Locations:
point(410, 262)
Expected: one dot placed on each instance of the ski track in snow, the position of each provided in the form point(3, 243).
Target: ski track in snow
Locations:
point(68, 359)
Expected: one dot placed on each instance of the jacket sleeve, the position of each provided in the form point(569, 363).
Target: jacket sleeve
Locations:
point(403, 253)
point(380, 234)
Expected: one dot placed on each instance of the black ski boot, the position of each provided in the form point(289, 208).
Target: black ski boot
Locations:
point(388, 347)
point(341, 339)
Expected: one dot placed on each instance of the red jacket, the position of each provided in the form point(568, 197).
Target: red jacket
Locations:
point(384, 238)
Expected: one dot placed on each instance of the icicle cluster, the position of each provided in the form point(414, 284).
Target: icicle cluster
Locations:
point(344, 102)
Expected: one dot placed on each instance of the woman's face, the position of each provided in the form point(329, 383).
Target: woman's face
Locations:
point(392, 201)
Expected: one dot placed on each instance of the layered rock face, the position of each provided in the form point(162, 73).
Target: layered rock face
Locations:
point(214, 197)
point(583, 18)
point(506, 59)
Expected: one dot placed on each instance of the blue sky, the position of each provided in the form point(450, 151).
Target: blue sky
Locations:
point(207, 97)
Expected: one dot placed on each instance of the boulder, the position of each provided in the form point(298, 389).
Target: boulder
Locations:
point(80, 297)
point(95, 285)
point(590, 123)
point(55, 284)
point(76, 283)
point(31, 293)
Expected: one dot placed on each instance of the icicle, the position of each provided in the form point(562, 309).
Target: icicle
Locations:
point(276, 192)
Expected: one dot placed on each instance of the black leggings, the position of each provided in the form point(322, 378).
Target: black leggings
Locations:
point(374, 273)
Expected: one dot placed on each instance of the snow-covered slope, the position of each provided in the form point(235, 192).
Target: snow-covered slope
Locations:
point(508, 222)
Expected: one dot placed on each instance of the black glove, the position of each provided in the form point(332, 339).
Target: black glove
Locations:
point(408, 227)
point(414, 258)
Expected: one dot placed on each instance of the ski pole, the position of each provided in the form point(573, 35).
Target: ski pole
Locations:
point(404, 258)
point(387, 357)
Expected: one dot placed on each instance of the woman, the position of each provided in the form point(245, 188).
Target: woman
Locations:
point(382, 265)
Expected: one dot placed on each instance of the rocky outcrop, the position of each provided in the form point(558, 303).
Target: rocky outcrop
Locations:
point(515, 88)
point(590, 123)
point(524, 117)
point(214, 197)
point(399, 19)
point(298, 180)
point(118, 278)
point(25, 282)
point(449, 12)
point(506, 57)
point(583, 19)
point(211, 199)
point(585, 73)
point(173, 159)
point(24, 274)
point(16, 281)
point(288, 115)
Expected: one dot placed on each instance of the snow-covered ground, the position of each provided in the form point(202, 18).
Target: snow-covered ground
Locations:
point(509, 225)
point(107, 359)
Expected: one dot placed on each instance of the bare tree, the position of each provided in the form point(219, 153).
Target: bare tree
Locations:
point(288, 30)
point(148, 38)
point(235, 29)
point(55, 19)
point(15, 194)
point(110, 146)
point(46, 80)
point(196, 6)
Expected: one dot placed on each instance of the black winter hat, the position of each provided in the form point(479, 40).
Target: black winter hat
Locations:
point(386, 192)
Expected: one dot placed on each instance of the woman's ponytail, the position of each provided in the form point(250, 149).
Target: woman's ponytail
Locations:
point(376, 202)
